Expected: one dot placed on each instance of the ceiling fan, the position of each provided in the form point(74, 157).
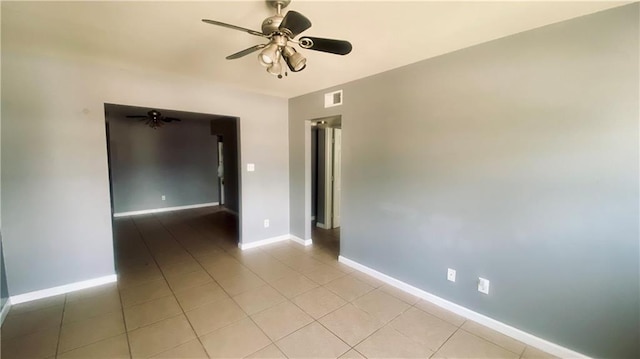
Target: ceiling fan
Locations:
point(154, 119)
point(280, 31)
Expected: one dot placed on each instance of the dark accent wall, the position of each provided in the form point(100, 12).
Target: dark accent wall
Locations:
point(228, 130)
point(178, 160)
point(515, 160)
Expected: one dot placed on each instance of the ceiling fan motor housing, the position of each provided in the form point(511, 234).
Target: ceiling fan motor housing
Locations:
point(271, 24)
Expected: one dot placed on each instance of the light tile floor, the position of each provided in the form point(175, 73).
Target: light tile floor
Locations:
point(186, 291)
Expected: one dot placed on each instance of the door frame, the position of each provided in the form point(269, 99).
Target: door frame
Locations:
point(308, 125)
point(336, 176)
point(328, 178)
point(220, 166)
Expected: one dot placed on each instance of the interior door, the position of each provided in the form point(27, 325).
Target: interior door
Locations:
point(220, 170)
point(337, 176)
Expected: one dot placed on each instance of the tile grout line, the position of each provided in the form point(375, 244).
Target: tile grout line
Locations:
point(86, 319)
point(230, 297)
point(319, 285)
point(445, 342)
point(446, 321)
point(124, 322)
point(202, 232)
point(290, 300)
point(222, 288)
point(492, 342)
point(286, 298)
point(269, 284)
point(171, 289)
point(64, 307)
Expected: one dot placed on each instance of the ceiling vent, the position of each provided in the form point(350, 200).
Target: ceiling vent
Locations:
point(332, 99)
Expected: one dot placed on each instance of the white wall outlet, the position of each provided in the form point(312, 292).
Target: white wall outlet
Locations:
point(266, 223)
point(251, 167)
point(483, 285)
point(164, 198)
point(451, 275)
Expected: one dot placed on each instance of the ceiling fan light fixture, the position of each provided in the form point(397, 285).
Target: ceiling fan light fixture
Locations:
point(294, 59)
point(269, 55)
point(279, 30)
point(275, 69)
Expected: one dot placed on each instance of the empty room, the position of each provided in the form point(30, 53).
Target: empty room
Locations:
point(320, 179)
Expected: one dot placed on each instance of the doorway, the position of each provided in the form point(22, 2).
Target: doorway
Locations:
point(221, 169)
point(165, 178)
point(326, 178)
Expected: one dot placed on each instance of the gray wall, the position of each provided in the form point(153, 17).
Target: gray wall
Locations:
point(515, 160)
point(178, 160)
point(56, 222)
point(227, 129)
point(4, 290)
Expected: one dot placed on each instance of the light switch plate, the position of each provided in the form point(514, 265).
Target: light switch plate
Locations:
point(251, 167)
point(483, 285)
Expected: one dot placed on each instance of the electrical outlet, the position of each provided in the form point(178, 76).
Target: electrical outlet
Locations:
point(266, 223)
point(483, 285)
point(451, 275)
point(164, 198)
point(251, 167)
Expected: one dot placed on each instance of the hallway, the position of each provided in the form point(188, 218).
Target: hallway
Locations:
point(186, 290)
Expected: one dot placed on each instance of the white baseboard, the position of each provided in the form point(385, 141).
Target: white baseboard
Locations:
point(304, 242)
point(5, 310)
point(165, 209)
point(322, 225)
point(229, 210)
point(245, 246)
point(63, 289)
point(498, 326)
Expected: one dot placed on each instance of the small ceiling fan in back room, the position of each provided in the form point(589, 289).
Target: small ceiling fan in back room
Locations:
point(154, 119)
point(280, 31)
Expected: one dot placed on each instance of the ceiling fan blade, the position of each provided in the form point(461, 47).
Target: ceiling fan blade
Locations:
point(294, 23)
point(245, 52)
point(171, 119)
point(136, 116)
point(338, 47)
point(252, 32)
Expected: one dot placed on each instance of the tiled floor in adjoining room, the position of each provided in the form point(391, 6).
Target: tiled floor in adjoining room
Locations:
point(186, 291)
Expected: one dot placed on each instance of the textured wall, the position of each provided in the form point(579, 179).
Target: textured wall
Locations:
point(515, 160)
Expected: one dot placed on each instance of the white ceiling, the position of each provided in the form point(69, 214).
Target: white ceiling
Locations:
point(169, 36)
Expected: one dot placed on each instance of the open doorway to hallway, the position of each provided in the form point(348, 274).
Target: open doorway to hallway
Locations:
point(168, 162)
point(326, 178)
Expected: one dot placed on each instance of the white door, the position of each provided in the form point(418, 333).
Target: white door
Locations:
point(337, 176)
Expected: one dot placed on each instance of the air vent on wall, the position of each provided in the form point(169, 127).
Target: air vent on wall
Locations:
point(332, 99)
